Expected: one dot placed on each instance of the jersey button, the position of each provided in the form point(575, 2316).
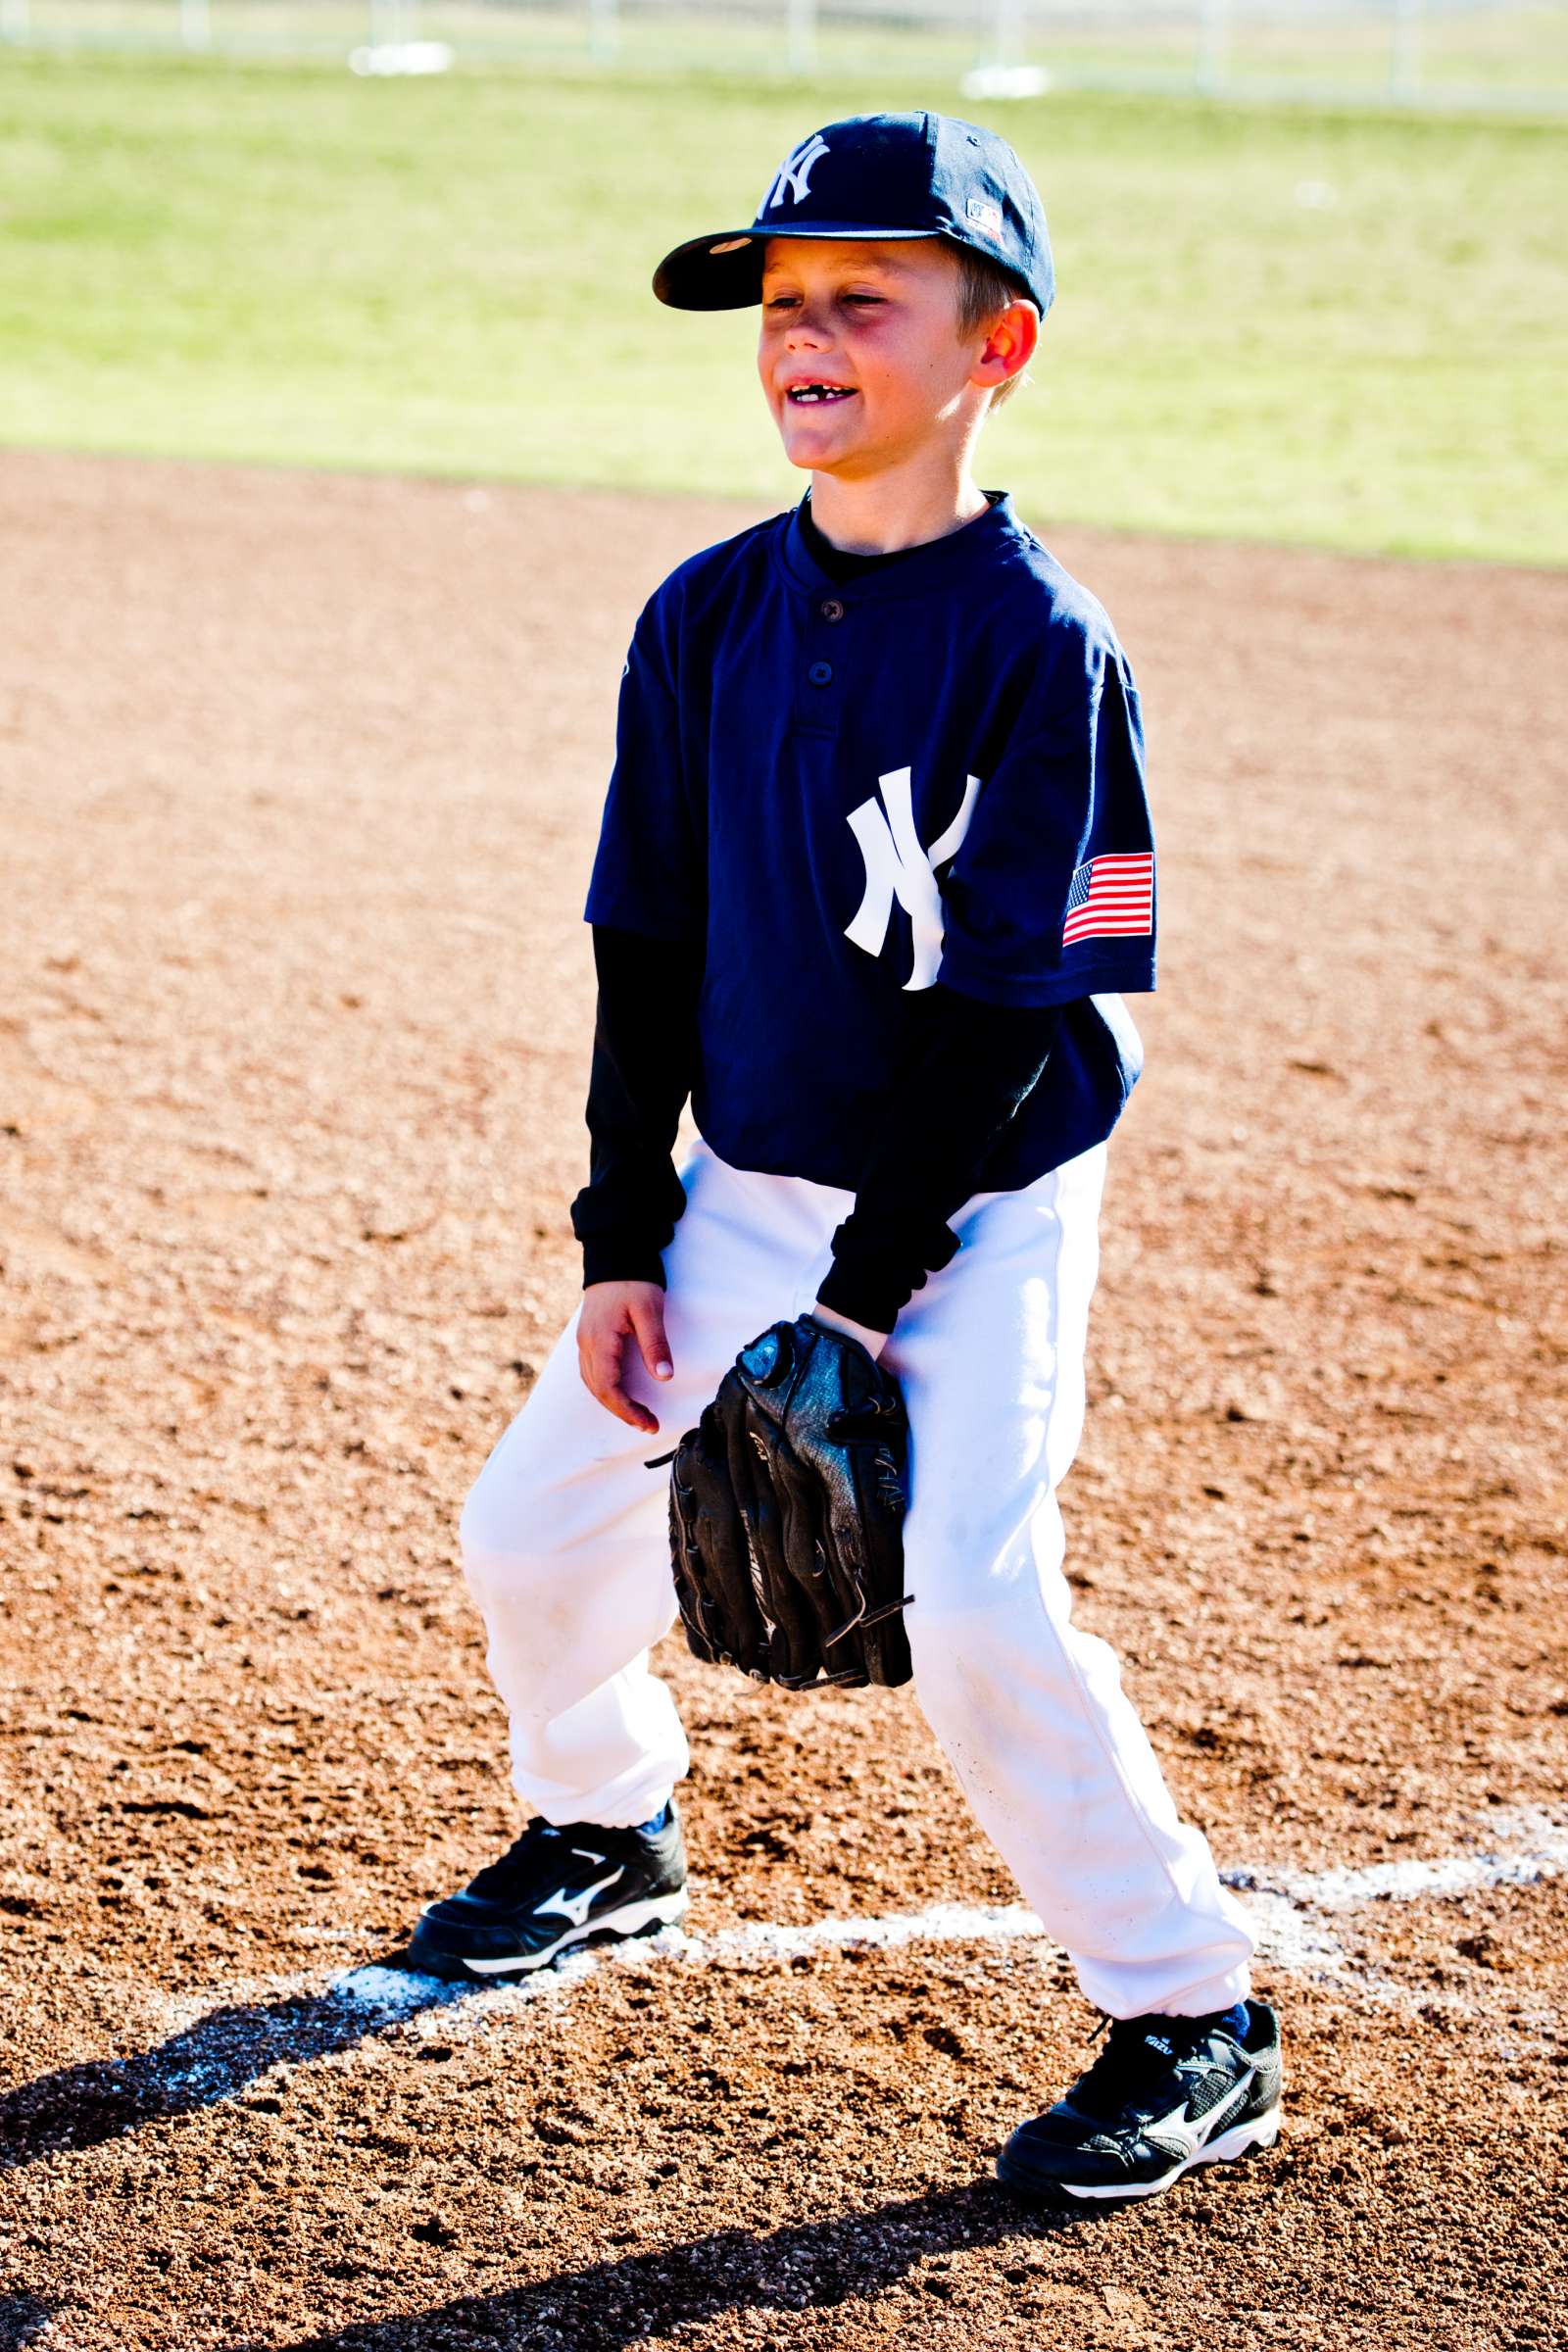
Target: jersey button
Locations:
point(830, 609)
point(820, 672)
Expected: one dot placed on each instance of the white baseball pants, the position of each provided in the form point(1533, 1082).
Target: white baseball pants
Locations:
point(566, 1548)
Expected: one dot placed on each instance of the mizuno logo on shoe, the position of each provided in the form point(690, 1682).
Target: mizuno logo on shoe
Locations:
point(575, 1907)
point(1186, 2135)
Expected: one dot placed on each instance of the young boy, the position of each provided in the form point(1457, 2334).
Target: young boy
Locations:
point(875, 867)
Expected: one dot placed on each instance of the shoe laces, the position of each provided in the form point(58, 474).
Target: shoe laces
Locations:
point(520, 1861)
point(1125, 2059)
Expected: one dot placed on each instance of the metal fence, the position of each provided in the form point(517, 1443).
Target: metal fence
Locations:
point(1464, 54)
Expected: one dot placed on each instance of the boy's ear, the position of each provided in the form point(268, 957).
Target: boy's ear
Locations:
point(1009, 346)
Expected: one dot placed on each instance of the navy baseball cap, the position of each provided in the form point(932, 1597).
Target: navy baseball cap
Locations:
point(876, 175)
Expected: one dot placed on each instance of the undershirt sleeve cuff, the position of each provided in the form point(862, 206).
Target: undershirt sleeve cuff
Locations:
point(621, 1259)
point(872, 1280)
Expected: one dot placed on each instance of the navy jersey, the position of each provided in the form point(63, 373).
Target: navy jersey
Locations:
point(845, 791)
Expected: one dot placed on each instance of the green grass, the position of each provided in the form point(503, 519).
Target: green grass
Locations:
point(451, 275)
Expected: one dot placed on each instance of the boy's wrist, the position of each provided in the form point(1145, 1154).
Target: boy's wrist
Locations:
point(871, 1339)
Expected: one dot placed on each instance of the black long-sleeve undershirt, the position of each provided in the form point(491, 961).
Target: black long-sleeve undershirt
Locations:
point(643, 1062)
point(961, 1071)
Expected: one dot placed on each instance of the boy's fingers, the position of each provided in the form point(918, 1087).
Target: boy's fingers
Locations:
point(648, 1322)
point(627, 1408)
point(624, 1406)
point(601, 1372)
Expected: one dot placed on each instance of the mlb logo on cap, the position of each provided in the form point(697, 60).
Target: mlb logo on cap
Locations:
point(877, 177)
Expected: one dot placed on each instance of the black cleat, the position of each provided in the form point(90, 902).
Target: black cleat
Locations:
point(552, 1888)
point(1165, 2094)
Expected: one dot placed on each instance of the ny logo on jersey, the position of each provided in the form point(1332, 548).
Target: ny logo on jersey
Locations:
point(898, 867)
point(794, 175)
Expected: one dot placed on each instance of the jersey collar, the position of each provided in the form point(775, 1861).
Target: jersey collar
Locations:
point(937, 564)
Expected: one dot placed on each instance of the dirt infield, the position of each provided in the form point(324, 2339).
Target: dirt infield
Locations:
point(298, 783)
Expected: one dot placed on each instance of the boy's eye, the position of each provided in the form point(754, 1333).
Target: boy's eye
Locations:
point(787, 302)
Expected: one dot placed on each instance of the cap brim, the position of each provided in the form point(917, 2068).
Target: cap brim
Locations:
point(724, 271)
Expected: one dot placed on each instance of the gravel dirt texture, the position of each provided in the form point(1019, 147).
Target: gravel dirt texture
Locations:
point(299, 781)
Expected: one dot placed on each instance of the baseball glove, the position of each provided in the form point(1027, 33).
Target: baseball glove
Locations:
point(786, 1514)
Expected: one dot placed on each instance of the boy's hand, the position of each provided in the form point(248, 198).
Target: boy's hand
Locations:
point(616, 1315)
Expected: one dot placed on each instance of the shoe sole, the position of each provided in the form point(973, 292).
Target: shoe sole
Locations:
point(1242, 2139)
point(643, 1918)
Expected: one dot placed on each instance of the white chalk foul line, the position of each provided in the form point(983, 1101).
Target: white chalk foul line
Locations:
point(213, 2054)
point(1291, 1909)
point(1532, 1846)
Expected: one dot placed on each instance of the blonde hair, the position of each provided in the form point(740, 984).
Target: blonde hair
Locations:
point(985, 290)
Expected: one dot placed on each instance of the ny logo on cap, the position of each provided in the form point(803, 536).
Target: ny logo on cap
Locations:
point(794, 175)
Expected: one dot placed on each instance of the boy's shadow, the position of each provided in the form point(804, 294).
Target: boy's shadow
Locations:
point(213, 2060)
point(23, 2320)
point(808, 2264)
point(600, 2308)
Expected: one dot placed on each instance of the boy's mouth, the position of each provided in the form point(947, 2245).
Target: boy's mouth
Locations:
point(804, 395)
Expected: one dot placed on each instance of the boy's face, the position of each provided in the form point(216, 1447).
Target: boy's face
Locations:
point(878, 322)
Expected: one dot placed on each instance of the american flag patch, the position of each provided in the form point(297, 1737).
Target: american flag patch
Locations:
point(1112, 898)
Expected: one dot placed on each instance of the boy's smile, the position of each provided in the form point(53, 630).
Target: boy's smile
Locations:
point(860, 352)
